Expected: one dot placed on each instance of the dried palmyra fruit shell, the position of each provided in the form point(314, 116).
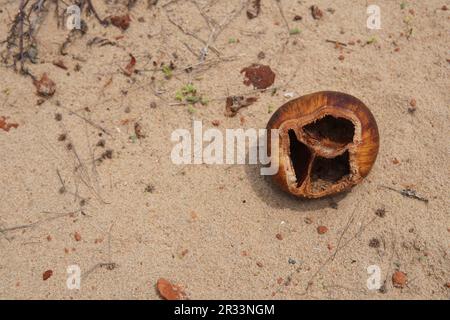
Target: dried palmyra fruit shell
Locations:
point(328, 142)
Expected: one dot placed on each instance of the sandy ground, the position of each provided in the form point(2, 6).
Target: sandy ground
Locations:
point(210, 228)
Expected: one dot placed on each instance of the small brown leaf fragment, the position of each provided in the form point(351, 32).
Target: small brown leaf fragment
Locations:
point(60, 64)
point(297, 18)
point(322, 229)
point(77, 236)
point(259, 264)
point(138, 131)
point(45, 86)
point(444, 8)
point(316, 12)
point(47, 274)
point(254, 9)
point(399, 279)
point(341, 57)
point(7, 126)
point(279, 236)
point(234, 103)
point(258, 75)
point(122, 22)
point(168, 291)
point(129, 69)
point(448, 285)
point(215, 123)
point(413, 103)
point(395, 161)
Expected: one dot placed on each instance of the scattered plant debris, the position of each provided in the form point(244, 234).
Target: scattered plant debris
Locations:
point(254, 9)
point(381, 212)
point(129, 69)
point(60, 64)
point(399, 279)
point(234, 103)
point(47, 274)
point(258, 75)
point(5, 125)
point(409, 193)
point(412, 106)
point(316, 12)
point(322, 229)
point(107, 154)
point(62, 137)
point(77, 236)
point(138, 131)
point(45, 86)
point(374, 243)
point(122, 22)
point(169, 291)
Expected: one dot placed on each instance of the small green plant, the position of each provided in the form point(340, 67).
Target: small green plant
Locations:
point(188, 94)
point(371, 40)
point(403, 5)
point(270, 108)
point(232, 40)
point(189, 89)
point(294, 31)
point(167, 70)
point(191, 109)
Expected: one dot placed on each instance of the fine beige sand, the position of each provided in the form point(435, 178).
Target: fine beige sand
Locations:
point(222, 231)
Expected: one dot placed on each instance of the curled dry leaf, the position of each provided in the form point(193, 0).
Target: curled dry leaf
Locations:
point(129, 69)
point(316, 12)
point(234, 103)
point(169, 291)
point(45, 86)
point(258, 75)
point(122, 22)
point(5, 125)
point(254, 9)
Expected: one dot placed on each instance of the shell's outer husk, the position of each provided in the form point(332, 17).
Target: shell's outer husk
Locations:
point(363, 150)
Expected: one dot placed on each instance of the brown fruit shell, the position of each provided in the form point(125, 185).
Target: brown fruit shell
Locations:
point(306, 111)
